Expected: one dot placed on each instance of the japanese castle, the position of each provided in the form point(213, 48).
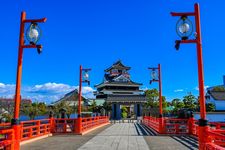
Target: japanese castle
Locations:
point(120, 91)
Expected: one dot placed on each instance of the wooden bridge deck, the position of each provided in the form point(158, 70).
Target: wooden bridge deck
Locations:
point(118, 136)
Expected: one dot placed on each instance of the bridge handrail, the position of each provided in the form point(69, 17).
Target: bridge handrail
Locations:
point(216, 138)
point(8, 141)
point(212, 146)
point(34, 128)
point(176, 126)
point(91, 122)
point(152, 122)
point(63, 125)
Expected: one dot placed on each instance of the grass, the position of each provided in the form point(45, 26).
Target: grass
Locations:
point(1, 136)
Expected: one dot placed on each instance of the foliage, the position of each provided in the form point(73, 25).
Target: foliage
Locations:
point(152, 97)
point(93, 106)
point(178, 104)
point(210, 107)
point(8, 117)
point(59, 107)
point(7, 111)
point(34, 109)
point(124, 112)
point(190, 101)
point(107, 106)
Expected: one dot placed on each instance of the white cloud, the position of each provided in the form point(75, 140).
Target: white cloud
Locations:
point(6, 88)
point(179, 90)
point(50, 88)
point(47, 92)
point(205, 87)
point(144, 88)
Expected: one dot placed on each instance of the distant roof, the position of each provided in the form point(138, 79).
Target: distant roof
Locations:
point(11, 100)
point(217, 95)
point(118, 65)
point(71, 96)
point(109, 81)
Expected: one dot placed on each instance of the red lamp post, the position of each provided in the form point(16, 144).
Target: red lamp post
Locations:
point(157, 78)
point(33, 35)
point(84, 77)
point(184, 31)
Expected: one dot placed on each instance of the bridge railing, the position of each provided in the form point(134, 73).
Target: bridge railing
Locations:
point(63, 125)
point(216, 140)
point(152, 122)
point(5, 125)
point(91, 122)
point(215, 134)
point(193, 130)
point(34, 128)
point(7, 139)
point(176, 126)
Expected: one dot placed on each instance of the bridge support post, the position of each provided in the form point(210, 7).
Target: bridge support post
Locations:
point(161, 124)
point(79, 125)
point(190, 125)
point(17, 136)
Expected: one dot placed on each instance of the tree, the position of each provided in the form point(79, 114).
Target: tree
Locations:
point(57, 109)
point(93, 106)
point(178, 104)
point(210, 107)
point(190, 101)
point(124, 112)
point(152, 98)
point(31, 110)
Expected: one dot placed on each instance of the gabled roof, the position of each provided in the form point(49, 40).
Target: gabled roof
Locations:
point(121, 77)
point(117, 65)
point(71, 96)
point(12, 100)
point(217, 95)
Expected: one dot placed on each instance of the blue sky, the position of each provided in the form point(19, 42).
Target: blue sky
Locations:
point(98, 33)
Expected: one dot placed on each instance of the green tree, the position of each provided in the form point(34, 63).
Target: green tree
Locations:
point(93, 106)
point(210, 107)
point(178, 104)
point(152, 98)
point(31, 110)
point(57, 109)
point(190, 101)
point(124, 112)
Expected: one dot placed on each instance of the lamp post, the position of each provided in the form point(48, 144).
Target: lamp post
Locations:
point(156, 77)
point(184, 30)
point(33, 34)
point(84, 77)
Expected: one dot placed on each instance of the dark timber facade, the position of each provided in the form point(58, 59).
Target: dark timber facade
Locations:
point(120, 91)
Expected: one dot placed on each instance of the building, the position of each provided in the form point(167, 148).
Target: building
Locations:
point(71, 98)
point(11, 101)
point(120, 91)
point(216, 95)
point(7, 105)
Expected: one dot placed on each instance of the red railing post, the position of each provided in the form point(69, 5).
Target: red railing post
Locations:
point(17, 137)
point(191, 122)
point(38, 127)
point(52, 124)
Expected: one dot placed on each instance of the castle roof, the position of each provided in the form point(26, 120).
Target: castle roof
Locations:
point(117, 65)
